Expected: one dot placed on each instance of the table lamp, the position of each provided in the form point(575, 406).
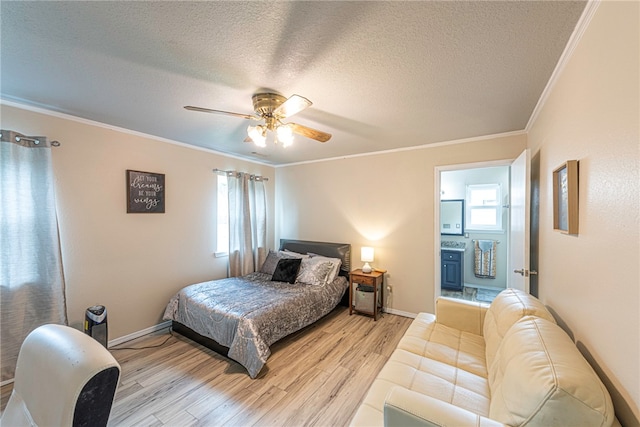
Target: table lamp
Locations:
point(366, 256)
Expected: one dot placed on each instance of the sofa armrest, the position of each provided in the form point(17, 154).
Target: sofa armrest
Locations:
point(460, 314)
point(404, 407)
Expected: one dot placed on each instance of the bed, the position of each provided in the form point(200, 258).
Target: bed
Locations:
point(241, 317)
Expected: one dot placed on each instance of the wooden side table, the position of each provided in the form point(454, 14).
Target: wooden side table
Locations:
point(374, 279)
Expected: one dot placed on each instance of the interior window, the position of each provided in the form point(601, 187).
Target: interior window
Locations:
point(484, 207)
point(222, 216)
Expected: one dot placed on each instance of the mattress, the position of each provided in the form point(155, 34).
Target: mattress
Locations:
point(248, 314)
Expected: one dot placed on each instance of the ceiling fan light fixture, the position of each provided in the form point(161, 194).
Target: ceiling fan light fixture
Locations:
point(273, 108)
point(285, 135)
point(258, 135)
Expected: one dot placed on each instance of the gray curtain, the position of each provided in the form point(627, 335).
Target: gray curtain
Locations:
point(247, 223)
point(31, 278)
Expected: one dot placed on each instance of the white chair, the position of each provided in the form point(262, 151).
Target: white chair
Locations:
point(63, 378)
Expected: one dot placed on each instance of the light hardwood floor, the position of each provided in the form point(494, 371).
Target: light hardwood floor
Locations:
point(317, 376)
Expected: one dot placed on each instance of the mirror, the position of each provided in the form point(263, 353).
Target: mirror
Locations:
point(452, 217)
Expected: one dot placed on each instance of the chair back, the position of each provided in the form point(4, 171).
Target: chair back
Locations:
point(63, 378)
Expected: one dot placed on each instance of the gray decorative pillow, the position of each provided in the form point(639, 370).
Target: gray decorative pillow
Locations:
point(314, 271)
point(269, 265)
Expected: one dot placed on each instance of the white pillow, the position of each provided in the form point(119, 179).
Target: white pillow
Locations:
point(335, 266)
point(314, 271)
point(290, 254)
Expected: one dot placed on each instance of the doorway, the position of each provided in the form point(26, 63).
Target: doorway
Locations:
point(483, 246)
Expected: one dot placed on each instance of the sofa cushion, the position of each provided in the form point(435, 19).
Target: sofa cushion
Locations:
point(506, 309)
point(439, 380)
point(539, 378)
point(426, 376)
point(404, 407)
point(428, 338)
point(461, 314)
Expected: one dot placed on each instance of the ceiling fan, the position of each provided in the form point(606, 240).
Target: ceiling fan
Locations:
point(273, 108)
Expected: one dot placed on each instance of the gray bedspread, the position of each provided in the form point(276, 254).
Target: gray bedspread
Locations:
point(248, 314)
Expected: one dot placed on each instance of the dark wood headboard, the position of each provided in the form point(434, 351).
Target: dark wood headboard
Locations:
point(331, 250)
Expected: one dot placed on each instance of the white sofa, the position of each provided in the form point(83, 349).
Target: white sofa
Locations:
point(472, 364)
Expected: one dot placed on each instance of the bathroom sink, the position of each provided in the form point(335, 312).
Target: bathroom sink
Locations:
point(450, 245)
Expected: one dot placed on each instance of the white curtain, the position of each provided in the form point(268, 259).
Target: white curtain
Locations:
point(31, 278)
point(247, 223)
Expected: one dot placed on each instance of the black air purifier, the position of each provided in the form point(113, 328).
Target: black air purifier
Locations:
point(95, 324)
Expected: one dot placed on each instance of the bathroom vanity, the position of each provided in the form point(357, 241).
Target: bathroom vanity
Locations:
point(451, 269)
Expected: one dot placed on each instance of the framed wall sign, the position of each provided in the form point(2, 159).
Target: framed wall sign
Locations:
point(145, 192)
point(565, 198)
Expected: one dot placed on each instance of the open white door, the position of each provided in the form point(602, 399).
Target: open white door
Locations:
point(518, 268)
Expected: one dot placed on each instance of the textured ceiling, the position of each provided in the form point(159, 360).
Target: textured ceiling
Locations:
point(381, 75)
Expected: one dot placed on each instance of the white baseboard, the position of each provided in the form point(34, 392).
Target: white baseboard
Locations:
point(122, 340)
point(399, 312)
point(139, 334)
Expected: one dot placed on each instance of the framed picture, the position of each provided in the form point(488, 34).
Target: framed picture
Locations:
point(145, 192)
point(565, 198)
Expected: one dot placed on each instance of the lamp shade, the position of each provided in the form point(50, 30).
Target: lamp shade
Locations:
point(257, 135)
point(285, 135)
point(366, 254)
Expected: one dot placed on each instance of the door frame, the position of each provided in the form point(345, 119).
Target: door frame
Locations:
point(436, 210)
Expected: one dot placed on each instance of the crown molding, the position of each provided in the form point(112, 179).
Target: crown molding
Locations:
point(65, 116)
point(412, 148)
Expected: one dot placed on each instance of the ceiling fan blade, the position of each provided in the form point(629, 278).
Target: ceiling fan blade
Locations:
point(310, 133)
point(291, 106)
point(229, 113)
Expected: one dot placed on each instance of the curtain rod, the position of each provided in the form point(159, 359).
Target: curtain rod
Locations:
point(256, 177)
point(12, 136)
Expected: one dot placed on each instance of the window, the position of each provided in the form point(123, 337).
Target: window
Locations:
point(222, 217)
point(484, 207)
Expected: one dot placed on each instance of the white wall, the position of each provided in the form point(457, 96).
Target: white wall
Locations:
point(592, 281)
point(385, 201)
point(131, 263)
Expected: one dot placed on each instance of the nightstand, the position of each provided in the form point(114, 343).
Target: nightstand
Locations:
point(373, 281)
